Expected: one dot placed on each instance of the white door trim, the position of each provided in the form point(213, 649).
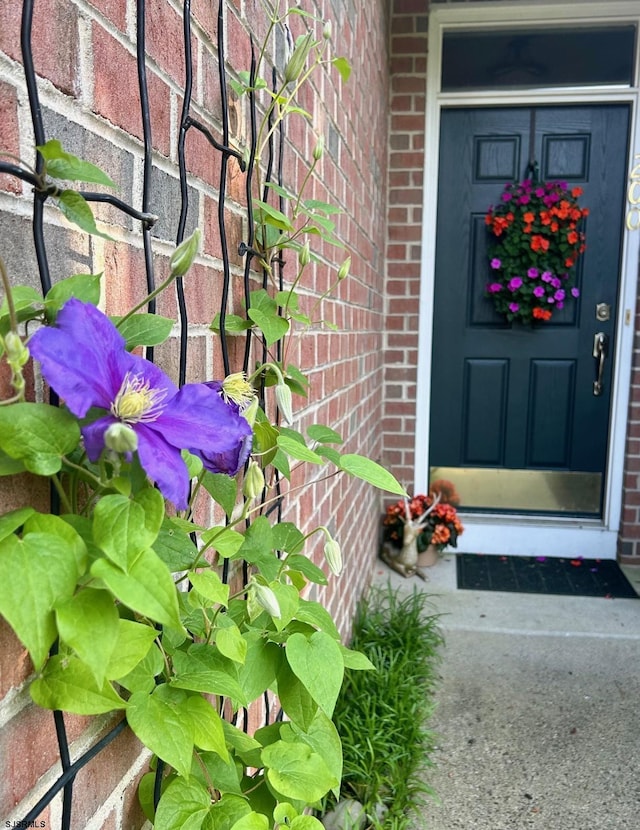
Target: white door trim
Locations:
point(513, 534)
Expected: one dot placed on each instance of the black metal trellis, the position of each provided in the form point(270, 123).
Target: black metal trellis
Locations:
point(145, 217)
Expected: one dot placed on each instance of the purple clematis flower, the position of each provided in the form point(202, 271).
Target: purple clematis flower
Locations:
point(83, 358)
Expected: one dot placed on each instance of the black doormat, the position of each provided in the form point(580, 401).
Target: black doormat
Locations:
point(543, 575)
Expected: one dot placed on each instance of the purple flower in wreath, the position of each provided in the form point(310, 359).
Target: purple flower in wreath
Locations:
point(538, 291)
point(559, 295)
point(513, 307)
point(84, 359)
point(514, 283)
point(555, 282)
point(575, 292)
point(496, 263)
point(533, 273)
point(494, 287)
point(547, 276)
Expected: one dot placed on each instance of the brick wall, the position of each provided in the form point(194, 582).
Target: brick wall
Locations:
point(408, 44)
point(84, 52)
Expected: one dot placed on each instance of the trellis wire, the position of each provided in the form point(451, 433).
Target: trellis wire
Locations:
point(146, 219)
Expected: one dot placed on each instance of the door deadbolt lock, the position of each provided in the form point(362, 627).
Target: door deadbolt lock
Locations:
point(603, 312)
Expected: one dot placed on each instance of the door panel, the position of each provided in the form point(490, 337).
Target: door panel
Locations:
point(508, 396)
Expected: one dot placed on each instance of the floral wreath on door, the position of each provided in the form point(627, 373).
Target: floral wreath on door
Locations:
point(537, 240)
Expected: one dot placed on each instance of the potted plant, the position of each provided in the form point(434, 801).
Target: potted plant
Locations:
point(416, 531)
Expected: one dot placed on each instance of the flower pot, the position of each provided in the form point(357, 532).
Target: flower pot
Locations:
point(428, 557)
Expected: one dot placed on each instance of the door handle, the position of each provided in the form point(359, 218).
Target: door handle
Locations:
point(600, 353)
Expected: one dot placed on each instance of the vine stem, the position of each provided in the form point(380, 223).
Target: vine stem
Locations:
point(13, 320)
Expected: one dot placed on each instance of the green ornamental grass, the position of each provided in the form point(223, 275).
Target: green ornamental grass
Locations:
point(383, 716)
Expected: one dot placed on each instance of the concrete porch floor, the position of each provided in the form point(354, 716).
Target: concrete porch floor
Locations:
point(538, 716)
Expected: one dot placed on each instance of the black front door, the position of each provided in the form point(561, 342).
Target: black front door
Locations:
point(514, 418)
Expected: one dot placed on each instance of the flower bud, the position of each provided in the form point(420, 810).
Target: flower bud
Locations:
point(285, 402)
point(304, 257)
point(318, 150)
point(326, 31)
point(17, 353)
point(266, 599)
point(253, 483)
point(121, 438)
point(343, 271)
point(183, 256)
point(296, 62)
point(333, 555)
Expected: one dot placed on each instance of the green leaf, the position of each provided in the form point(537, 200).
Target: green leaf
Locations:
point(68, 684)
point(298, 562)
point(38, 434)
point(88, 622)
point(296, 771)
point(288, 600)
point(76, 209)
point(59, 526)
point(10, 466)
point(356, 660)
point(147, 588)
point(297, 450)
point(226, 541)
point(223, 490)
point(142, 678)
point(268, 215)
point(322, 207)
point(122, 528)
point(26, 303)
point(232, 323)
point(143, 329)
point(133, 643)
point(36, 572)
point(324, 435)
point(184, 806)
point(204, 669)
point(318, 663)
point(322, 736)
point(315, 614)
point(281, 463)
point(287, 537)
point(210, 586)
point(307, 823)
point(329, 453)
point(295, 700)
point(207, 725)
point(344, 68)
point(85, 287)
point(13, 520)
point(174, 547)
point(230, 641)
point(62, 165)
point(372, 472)
point(159, 722)
point(261, 665)
point(252, 821)
point(272, 326)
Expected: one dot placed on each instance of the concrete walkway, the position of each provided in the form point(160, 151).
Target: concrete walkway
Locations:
point(538, 716)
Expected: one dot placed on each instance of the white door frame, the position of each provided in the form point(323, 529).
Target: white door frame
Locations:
point(526, 535)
